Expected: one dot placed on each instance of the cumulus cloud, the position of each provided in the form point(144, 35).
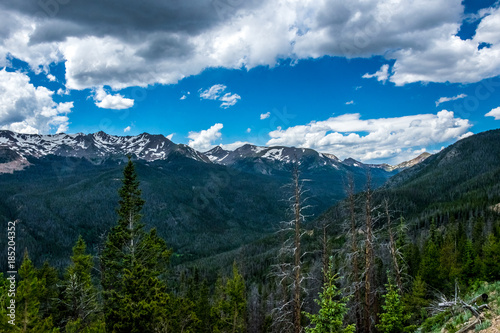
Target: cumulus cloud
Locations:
point(204, 139)
point(447, 99)
point(349, 103)
point(249, 130)
point(381, 75)
point(387, 138)
point(494, 113)
point(25, 108)
point(127, 129)
point(148, 42)
point(265, 115)
point(215, 93)
point(104, 100)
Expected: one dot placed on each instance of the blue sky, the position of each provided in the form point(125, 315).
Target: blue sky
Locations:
point(379, 81)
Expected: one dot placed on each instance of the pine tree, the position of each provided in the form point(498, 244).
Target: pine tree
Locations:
point(331, 314)
point(30, 288)
point(472, 265)
point(393, 317)
point(491, 258)
point(49, 297)
point(429, 265)
point(132, 260)
point(415, 301)
point(80, 296)
point(230, 304)
point(198, 293)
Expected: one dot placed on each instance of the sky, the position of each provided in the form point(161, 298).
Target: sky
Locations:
point(380, 81)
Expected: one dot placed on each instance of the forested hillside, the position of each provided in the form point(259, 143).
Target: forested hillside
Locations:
point(381, 260)
point(199, 208)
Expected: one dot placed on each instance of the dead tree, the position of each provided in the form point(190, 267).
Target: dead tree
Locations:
point(395, 254)
point(352, 254)
point(287, 314)
point(370, 310)
point(458, 304)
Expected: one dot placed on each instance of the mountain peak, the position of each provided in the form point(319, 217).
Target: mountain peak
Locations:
point(95, 147)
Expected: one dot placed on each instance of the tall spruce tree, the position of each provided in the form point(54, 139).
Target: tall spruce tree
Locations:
point(330, 318)
point(29, 290)
point(80, 296)
point(393, 316)
point(229, 311)
point(132, 260)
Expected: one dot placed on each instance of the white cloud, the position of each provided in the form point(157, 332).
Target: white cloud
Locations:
point(447, 99)
point(229, 100)
point(51, 77)
point(249, 130)
point(494, 113)
point(349, 103)
point(127, 129)
point(61, 91)
point(183, 97)
point(203, 140)
point(104, 100)
point(25, 108)
point(265, 115)
point(382, 74)
point(215, 93)
point(387, 138)
point(419, 36)
point(170, 136)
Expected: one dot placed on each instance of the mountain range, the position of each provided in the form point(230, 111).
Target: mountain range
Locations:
point(63, 185)
point(16, 148)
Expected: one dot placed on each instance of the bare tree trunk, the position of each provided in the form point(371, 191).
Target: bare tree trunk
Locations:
point(354, 251)
point(369, 261)
point(393, 249)
point(297, 254)
point(324, 254)
point(288, 312)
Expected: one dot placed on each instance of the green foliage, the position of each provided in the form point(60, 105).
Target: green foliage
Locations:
point(332, 310)
point(79, 296)
point(4, 303)
point(197, 292)
point(29, 290)
point(429, 265)
point(484, 325)
point(491, 258)
point(393, 317)
point(135, 298)
point(230, 304)
point(435, 322)
point(49, 296)
point(416, 301)
point(77, 326)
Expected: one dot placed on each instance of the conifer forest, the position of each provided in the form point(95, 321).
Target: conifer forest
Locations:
point(411, 255)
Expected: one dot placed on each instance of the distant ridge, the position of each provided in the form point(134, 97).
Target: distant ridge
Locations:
point(17, 148)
